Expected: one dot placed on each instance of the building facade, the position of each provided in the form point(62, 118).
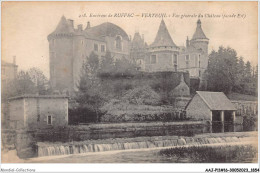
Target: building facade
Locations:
point(8, 71)
point(38, 111)
point(69, 47)
point(164, 55)
point(211, 106)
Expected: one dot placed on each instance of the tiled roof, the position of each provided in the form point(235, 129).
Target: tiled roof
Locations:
point(199, 34)
point(163, 37)
point(216, 100)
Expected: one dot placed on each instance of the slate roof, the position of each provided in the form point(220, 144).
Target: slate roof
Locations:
point(138, 42)
point(63, 27)
point(107, 29)
point(163, 37)
point(216, 100)
point(199, 34)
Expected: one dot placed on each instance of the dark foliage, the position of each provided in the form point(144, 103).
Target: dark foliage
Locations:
point(228, 73)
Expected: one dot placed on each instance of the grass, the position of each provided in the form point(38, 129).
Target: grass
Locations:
point(212, 154)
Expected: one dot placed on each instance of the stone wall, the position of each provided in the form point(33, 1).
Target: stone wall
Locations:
point(127, 130)
point(197, 109)
point(161, 82)
point(246, 108)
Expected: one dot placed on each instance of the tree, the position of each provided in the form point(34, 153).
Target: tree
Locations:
point(89, 95)
point(39, 79)
point(125, 67)
point(107, 65)
point(20, 86)
point(222, 70)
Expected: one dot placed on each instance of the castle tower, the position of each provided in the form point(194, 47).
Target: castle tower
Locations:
point(199, 39)
point(200, 42)
point(162, 53)
point(61, 55)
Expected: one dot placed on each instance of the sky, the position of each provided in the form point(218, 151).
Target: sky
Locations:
point(26, 25)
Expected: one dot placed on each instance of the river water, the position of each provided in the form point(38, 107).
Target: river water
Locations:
point(150, 155)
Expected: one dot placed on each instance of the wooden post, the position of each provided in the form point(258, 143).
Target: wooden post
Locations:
point(222, 117)
point(234, 116)
point(210, 116)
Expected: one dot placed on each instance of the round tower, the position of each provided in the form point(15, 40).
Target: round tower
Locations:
point(61, 55)
point(199, 39)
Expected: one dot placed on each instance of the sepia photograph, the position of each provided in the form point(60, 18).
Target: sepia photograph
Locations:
point(129, 82)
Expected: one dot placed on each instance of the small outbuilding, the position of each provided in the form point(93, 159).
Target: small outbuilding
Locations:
point(38, 111)
point(211, 106)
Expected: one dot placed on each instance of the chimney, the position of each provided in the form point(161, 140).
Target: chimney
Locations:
point(71, 23)
point(88, 25)
point(130, 37)
point(14, 60)
point(80, 27)
point(187, 42)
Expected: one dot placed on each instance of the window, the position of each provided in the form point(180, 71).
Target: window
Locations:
point(187, 57)
point(153, 59)
point(199, 60)
point(118, 42)
point(187, 64)
point(196, 61)
point(175, 67)
point(175, 59)
point(103, 48)
point(49, 118)
point(95, 47)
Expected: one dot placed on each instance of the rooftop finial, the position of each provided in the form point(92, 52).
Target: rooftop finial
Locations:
point(88, 25)
point(199, 22)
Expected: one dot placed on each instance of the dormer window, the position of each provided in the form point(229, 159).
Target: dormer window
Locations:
point(119, 42)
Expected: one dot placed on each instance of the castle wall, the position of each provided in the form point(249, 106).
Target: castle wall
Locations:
point(160, 82)
point(61, 60)
point(118, 54)
point(164, 61)
point(82, 48)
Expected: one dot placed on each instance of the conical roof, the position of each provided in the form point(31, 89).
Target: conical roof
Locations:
point(63, 27)
point(199, 34)
point(163, 37)
point(138, 42)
